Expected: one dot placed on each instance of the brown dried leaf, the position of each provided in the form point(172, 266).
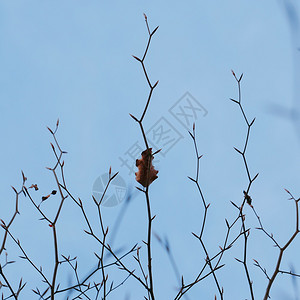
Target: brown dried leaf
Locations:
point(146, 173)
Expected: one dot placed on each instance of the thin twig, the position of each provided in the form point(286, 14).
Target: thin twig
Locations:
point(206, 206)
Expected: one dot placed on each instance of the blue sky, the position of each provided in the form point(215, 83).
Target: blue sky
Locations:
point(72, 60)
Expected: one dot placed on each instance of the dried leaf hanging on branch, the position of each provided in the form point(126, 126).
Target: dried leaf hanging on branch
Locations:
point(146, 173)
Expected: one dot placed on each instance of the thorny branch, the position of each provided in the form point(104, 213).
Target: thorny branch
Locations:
point(148, 150)
point(206, 206)
point(6, 227)
point(247, 198)
point(283, 248)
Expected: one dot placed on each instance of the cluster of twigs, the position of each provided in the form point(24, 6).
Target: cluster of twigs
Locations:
point(213, 262)
point(98, 283)
point(88, 287)
point(248, 200)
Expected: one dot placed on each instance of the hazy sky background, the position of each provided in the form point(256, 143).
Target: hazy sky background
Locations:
point(72, 60)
